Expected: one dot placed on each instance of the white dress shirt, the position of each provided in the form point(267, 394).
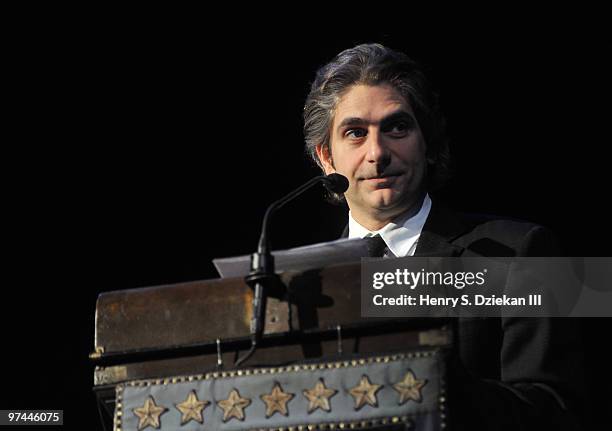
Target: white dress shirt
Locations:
point(401, 235)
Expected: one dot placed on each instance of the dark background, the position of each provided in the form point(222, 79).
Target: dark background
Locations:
point(139, 148)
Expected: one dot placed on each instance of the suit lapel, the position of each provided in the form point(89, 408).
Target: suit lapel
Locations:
point(345, 232)
point(441, 228)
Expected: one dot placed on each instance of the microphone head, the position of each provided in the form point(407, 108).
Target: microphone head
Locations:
point(336, 183)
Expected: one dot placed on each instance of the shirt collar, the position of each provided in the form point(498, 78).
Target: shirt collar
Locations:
point(401, 234)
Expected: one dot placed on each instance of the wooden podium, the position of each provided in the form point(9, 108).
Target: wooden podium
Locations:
point(198, 327)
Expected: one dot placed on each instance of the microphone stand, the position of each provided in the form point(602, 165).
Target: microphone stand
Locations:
point(262, 277)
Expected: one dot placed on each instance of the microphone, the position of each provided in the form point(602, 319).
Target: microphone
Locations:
point(333, 182)
point(336, 183)
point(262, 275)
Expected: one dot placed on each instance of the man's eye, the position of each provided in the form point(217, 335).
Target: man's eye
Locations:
point(402, 125)
point(401, 128)
point(355, 133)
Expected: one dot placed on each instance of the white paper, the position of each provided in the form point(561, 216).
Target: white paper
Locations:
point(299, 258)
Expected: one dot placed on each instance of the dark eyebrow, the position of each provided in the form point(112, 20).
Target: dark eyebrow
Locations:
point(352, 121)
point(398, 116)
point(389, 119)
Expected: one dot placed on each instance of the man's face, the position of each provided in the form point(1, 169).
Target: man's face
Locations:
point(377, 144)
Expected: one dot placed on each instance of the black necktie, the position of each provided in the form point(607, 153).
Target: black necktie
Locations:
point(377, 247)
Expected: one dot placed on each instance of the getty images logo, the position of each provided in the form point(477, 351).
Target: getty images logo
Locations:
point(412, 279)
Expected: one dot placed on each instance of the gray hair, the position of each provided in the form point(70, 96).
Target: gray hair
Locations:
point(375, 64)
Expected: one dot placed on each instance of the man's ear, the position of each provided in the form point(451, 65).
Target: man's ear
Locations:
point(325, 159)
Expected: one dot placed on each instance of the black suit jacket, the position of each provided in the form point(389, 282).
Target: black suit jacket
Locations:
point(508, 373)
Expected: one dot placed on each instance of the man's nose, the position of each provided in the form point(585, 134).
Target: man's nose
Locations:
point(377, 150)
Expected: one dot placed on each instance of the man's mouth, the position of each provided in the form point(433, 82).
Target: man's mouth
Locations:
point(382, 181)
point(383, 177)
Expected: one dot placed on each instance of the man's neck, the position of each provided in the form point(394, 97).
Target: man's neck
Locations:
point(378, 220)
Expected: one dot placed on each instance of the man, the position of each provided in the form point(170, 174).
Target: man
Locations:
point(372, 117)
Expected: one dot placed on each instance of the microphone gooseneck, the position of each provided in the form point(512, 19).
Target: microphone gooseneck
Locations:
point(262, 273)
